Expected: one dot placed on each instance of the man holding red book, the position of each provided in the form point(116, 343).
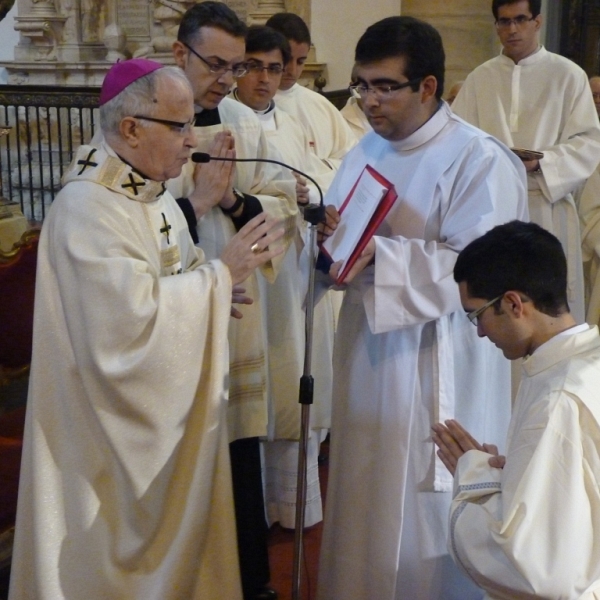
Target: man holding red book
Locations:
point(406, 357)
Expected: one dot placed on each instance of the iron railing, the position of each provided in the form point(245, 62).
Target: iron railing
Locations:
point(45, 126)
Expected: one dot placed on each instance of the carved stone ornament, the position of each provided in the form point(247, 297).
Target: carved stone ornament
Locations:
point(115, 41)
point(168, 13)
point(44, 8)
point(43, 26)
point(265, 10)
point(73, 42)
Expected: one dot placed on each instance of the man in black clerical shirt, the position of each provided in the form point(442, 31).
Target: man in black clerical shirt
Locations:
point(217, 199)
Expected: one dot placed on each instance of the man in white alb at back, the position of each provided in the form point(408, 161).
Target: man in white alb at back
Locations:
point(533, 99)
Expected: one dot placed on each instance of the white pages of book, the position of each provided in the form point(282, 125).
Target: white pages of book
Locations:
point(354, 217)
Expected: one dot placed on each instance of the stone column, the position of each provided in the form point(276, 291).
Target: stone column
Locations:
point(302, 9)
point(40, 27)
point(265, 10)
point(467, 29)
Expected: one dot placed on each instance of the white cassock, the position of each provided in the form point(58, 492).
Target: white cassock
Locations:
point(328, 133)
point(284, 316)
point(406, 357)
point(530, 530)
point(588, 205)
point(542, 103)
point(356, 118)
point(276, 191)
point(125, 487)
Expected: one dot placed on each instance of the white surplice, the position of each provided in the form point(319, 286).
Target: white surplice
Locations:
point(542, 103)
point(276, 191)
point(406, 357)
point(356, 118)
point(530, 530)
point(284, 306)
point(125, 487)
point(588, 205)
point(328, 133)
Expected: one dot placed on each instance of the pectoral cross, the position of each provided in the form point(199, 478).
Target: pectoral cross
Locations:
point(166, 228)
point(87, 162)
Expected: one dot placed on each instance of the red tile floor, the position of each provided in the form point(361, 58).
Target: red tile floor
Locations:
point(281, 549)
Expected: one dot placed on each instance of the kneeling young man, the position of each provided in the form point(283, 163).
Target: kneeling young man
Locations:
point(525, 526)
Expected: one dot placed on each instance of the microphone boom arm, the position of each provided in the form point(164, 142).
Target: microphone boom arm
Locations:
point(313, 213)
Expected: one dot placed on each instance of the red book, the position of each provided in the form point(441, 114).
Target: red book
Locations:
point(369, 201)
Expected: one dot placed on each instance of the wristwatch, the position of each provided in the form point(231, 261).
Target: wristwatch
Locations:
point(239, 201)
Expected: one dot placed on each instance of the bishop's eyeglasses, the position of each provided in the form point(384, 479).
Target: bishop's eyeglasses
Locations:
point(182, 128)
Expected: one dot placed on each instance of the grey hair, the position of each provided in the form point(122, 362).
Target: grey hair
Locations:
point(138, 98)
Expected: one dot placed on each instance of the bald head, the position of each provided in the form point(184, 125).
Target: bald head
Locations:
point(453, 92)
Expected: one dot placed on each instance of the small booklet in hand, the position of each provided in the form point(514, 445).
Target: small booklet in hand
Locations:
point(525, 154)
point(367, 204)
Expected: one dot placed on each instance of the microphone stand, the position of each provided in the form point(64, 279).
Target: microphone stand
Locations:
point(313, 214)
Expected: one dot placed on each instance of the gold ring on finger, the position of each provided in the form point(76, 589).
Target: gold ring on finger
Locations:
point(256, 249)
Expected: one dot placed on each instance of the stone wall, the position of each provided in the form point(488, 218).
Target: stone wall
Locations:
point(467, 29)
point(74, 42)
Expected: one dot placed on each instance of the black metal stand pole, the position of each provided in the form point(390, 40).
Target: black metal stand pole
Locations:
point(313, 214)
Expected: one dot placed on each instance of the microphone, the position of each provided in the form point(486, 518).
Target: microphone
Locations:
point(313, 213)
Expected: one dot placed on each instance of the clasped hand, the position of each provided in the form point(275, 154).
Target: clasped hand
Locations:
point(453, 440)
point(213, 181)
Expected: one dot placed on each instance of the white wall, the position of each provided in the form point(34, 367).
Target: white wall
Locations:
point(8, 40)
point(336, 26)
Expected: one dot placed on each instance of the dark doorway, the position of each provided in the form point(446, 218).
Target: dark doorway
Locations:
point(580, 33)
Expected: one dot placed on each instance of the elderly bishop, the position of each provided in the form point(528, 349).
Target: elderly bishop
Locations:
point(125, 484)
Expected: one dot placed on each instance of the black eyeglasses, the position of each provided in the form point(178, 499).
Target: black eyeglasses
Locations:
point(504, 23)
point(256, 66)
point(238, 70)
point(474, 315)
point(183, 128)
point(382, 92)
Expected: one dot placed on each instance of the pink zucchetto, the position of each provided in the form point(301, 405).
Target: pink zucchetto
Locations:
point(124, 73)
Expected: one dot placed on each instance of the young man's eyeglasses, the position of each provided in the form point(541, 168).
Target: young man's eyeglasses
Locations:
point(256, 66)
point(238, 70)
point(520, 21)
point(382, 92)
point(475, 314)
point(183, 128)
